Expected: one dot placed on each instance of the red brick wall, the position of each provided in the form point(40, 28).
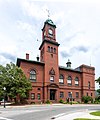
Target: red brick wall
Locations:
point(26, 67)
point(51, 61)
point(65, 88)
point(88, 75)
point(46, 28)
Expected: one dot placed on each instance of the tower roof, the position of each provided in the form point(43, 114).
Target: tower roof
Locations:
point(50, 22)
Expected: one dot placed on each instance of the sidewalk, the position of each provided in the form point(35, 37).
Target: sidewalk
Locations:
point(64, 116)
point(80, 114)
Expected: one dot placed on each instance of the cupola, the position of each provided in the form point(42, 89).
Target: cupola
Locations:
point(68, 64)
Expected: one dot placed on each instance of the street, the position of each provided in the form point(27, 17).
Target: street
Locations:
point(43, 112)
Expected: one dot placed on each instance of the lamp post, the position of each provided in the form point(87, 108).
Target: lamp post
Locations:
point(71, 98)
point(4, 96)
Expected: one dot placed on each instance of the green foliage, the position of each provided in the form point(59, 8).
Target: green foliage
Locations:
point(15, 81)
point(61, 101)
point(98, 81)
point(48, 102)
point(97, 100)
point(97, 113)
point(84, 119)
point(98, 91)
point(86, 99)
point(65, 102)
point(73, 102)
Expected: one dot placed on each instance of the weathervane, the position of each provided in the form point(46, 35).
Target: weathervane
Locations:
point(48, 13)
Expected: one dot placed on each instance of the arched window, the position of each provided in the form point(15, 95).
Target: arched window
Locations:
point(61, 79)
point(89, 84)
point(48, 48)
point(76, 81)
point(54, 50)
point(33, 75)
point(69, 81)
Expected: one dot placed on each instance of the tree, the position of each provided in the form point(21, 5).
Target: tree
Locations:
point(16, 83)
point(98, 81)
point(2, 77)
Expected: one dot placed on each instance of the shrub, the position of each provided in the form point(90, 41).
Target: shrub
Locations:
point(32, 102)
point(86, 99)
point(74, 102)
point(61, 101)
point(65, 102)
point(48, 102)
point(97, 100)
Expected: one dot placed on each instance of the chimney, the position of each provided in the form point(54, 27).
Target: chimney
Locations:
point(37, 57)
point(27, 56)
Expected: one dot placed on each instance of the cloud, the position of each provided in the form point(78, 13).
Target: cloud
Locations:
point(28, 28)
point(79, 48)
point(32, 9)
point(64, 54)
point(8, 56)
point(73, 50)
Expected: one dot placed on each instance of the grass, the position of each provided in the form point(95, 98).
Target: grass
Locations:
point(97, 113)
point(84, 119)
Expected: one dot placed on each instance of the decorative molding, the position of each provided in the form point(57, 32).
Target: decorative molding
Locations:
point(52, 72)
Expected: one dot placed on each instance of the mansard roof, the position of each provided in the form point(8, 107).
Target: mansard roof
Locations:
point(70, 69)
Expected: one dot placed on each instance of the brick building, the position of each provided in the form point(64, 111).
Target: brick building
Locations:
point(51, 81)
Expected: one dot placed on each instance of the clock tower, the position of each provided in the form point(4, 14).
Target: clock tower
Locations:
point(49, 55)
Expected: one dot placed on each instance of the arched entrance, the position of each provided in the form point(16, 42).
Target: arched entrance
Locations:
point(52, 90)
point(52, 94)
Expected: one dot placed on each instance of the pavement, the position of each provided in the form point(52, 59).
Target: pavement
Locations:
point(79, 114)
point(64, 116)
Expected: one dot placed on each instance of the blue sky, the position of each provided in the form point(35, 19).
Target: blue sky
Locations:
point(78, 27)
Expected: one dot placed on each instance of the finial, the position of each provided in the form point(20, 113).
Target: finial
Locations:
point(48, 13)
point(68, 60)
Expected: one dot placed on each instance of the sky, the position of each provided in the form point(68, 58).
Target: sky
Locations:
point(77, 32)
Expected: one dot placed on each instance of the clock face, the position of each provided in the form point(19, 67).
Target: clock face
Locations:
point(44, 33)
point(50, 32)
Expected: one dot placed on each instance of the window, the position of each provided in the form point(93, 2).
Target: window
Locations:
point(87, 93)
point(54, 50)
point(52, 72)
point(48, 48)
point(38, 96)
point(69, 94)
point(89, 84)
point(61, 79)
point(33, 75)
point(39, 88)
point(51, 55)
point(76, 81)
point(77, 94)
point(61, 94)
point(69, 81)
point(52, 78)
point(32, 96)
point(91, 94)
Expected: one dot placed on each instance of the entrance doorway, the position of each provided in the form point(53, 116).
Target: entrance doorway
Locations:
point(52, 94)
